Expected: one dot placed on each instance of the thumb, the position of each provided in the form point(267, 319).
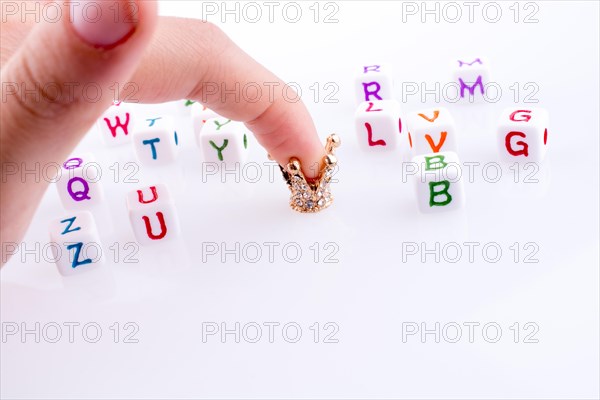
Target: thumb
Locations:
point(57, 84)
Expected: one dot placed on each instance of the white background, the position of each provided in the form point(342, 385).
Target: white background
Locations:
point(370, 293)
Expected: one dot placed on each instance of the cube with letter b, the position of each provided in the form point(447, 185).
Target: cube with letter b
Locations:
point(523, 134)
point(75, 243)
point(439, 182)
point(152, 214)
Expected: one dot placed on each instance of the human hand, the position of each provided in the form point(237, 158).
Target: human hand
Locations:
point(167, 59)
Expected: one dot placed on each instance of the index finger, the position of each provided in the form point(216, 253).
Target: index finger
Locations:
point(193, 59)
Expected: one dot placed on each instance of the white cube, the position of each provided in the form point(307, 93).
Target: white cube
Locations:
point(439, 182)
point(78, 183)
point(75, 243)
point(182, 108)
point(224, 140)
point(432, 130)
point(155, 141)
point(374, 82)
point(472, 75)
point(116, 124)
point(152, 214)
point(523, 134)
point(379, 125)
point(201, 114)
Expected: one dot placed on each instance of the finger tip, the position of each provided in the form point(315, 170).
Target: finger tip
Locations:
point(309, 150)
point(312, 162)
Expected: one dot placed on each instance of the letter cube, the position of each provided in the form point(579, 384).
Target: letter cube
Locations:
point(182, 107)
point(75, 243)
point(439, 182)
point(431, 131)
point(471, 74)
point(152, 214)
point(155, 141)
point(78, 184)
point(201, 114)
point(523, 134)
point(379, 125)
point(374, 82)
point(224, 140)
point(116, 124)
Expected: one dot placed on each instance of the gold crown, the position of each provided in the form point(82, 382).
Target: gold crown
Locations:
point(310, 196)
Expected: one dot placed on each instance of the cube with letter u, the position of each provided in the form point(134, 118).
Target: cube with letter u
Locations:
point(152, 214)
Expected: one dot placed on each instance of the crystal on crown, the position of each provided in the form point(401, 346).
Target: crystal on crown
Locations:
point(310, 196)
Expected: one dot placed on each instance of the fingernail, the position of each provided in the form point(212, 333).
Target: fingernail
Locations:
point(104, 23)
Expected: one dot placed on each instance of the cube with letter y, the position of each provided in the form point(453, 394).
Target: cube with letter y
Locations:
point(223, 140)
point(201, 114)
point(182, 108)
